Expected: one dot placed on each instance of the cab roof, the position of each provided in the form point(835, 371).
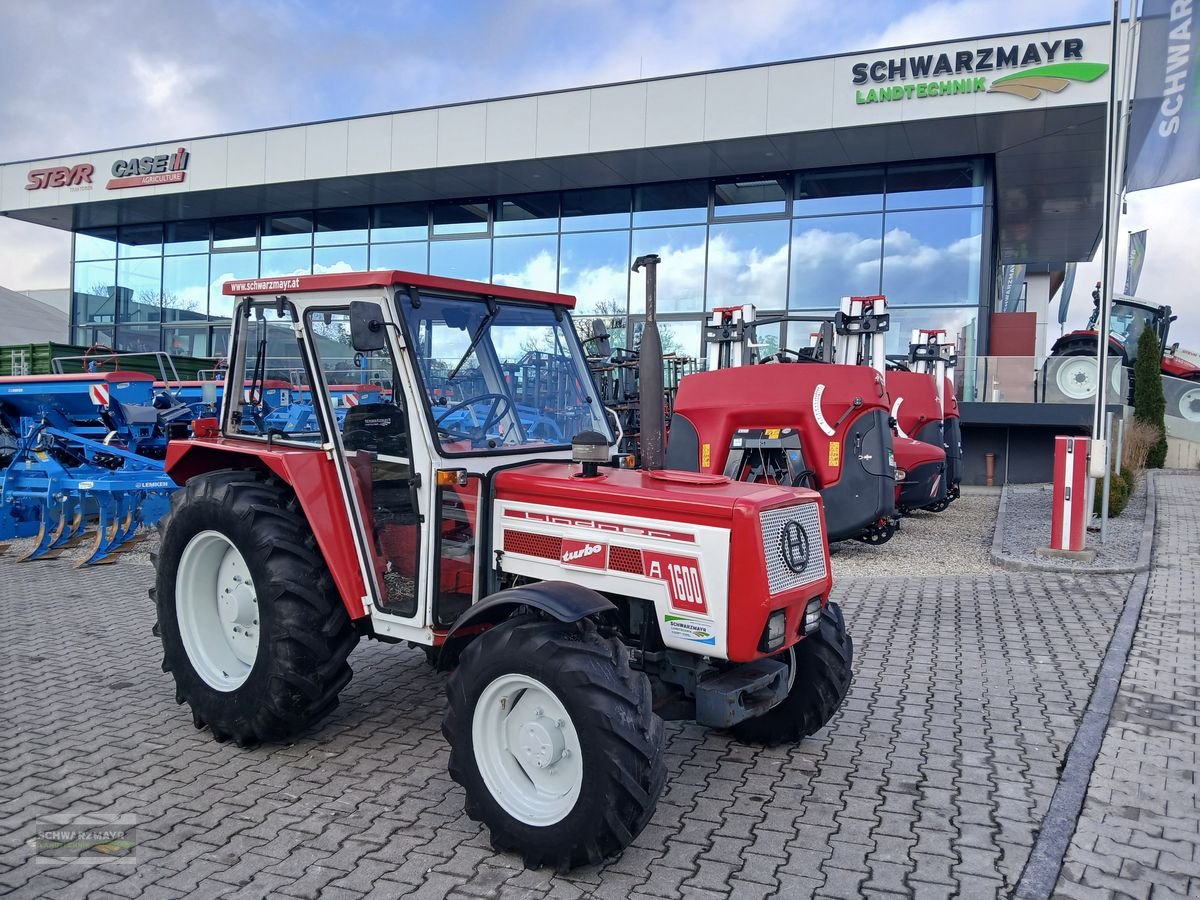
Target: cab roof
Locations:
point(343, 281)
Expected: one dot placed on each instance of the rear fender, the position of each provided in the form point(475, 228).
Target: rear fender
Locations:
point(320, 498)
point(563, 600)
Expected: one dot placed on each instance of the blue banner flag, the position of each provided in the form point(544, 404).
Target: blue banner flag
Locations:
point(1137, 255)
point(1164, 127)
point(1064, 295)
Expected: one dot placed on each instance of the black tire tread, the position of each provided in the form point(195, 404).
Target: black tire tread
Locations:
point(824, 668)
point(594, 672)
point(311, 637)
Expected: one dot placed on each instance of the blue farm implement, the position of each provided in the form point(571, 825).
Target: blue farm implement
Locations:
point(80, 449)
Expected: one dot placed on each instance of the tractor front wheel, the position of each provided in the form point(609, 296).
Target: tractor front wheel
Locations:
point(252, 628)
point(553, 738)
point(819, 677)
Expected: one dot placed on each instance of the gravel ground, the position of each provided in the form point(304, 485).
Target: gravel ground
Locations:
point(1027, 527)
point(953, 542)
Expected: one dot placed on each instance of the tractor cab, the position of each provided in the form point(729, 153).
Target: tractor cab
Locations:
point(420, 391)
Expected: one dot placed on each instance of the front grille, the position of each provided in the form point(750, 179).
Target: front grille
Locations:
point(781, 543)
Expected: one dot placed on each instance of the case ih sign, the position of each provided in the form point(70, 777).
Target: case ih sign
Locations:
point(140, 171)
point(149, 170)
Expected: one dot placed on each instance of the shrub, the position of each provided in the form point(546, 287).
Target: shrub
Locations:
point(1119, 489)
point(1140, 438)
point(1149, 403)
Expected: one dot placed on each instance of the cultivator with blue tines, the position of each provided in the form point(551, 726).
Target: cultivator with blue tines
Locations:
point(84, 451)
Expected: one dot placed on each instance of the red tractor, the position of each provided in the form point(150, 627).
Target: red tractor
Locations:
point(1076, 379)
point(576, 603)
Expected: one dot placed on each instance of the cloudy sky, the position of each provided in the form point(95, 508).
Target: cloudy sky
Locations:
point(95, 73)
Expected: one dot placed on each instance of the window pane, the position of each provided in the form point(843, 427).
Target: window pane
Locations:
point(235, 233)
point(186, 237)
point(749, 198)
point(594, 209)
point(225, 267)
point(293, 230)
point(677, 203)
point(140, 240)
point(461, 259)
point(594, 267)
point(932, 257)
point(100, 243)
point(460, 218)
point(822, 193)
point(187, 341)
point(95, 288)
point(680, 338)
point(139, 284)
point(748, 263)
point(681, 275)
point(339, 259)
point(934, 184)
point(411, 257)
point(185, 287)
point(400, 222)
point(139, 338)
point(286, 262)
point(960, 325)
point(833, 258)
point(527, 214)
point(528, 262)
point(342, 226)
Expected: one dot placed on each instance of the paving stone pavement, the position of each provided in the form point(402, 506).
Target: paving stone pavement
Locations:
point(931, 781)
point(1139, 832)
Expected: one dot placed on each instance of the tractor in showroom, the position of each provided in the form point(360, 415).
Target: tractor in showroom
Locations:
point(1075, 378)
point(576, 603)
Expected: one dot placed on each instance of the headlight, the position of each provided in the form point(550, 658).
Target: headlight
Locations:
point(775, 632)
point(900, 474)
point(812, 615)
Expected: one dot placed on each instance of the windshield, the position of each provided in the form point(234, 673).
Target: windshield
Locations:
point(501, 377)
point(1127, 324)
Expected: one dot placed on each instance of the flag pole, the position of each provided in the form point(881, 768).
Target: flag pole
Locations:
point(1102, 319)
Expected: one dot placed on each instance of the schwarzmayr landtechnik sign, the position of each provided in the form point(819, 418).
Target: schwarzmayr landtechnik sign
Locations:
point(1040, 66)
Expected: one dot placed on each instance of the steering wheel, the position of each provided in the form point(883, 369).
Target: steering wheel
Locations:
point(781, 355)
point(500, 405)
point(109, 360)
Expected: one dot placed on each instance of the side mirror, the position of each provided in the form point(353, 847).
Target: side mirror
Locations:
point(366, 326)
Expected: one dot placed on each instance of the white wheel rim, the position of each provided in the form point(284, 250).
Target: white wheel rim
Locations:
point(217, 609)
point(1076, 377)
point(1189, 405)
point(527, 750)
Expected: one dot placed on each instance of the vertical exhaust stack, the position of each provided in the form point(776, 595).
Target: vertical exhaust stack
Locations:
point(650, 372)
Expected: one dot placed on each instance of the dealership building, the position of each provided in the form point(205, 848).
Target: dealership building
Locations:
point(916, 172)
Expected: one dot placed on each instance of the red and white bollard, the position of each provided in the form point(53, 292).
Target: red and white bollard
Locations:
point(1068, 518)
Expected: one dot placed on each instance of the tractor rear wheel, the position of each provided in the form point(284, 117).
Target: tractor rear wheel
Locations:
point(819, 679)
point(553, 738)
point(252, 628)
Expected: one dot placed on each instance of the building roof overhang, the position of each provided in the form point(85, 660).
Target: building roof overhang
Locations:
point(1048, 149)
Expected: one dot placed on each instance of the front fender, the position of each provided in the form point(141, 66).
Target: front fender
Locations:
point(564, 600)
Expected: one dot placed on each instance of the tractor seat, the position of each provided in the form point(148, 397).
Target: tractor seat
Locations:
point(377, 428)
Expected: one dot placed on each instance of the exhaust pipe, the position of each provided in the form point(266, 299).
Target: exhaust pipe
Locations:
point(650, 372)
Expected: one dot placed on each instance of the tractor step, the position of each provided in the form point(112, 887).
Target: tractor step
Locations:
point(740, 693)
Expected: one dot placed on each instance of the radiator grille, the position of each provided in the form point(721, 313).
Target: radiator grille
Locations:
point(543, 545)
point(804, 546)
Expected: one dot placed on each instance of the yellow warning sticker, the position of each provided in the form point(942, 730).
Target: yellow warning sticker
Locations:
point(772, 434)
point(835, 453)
point(705, 455)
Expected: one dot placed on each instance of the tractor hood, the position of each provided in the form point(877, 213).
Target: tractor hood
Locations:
point(691, 497)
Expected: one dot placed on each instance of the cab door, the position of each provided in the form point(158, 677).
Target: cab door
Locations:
point(387, 461)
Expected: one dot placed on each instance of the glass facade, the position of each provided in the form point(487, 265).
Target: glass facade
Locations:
point(792, 243)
